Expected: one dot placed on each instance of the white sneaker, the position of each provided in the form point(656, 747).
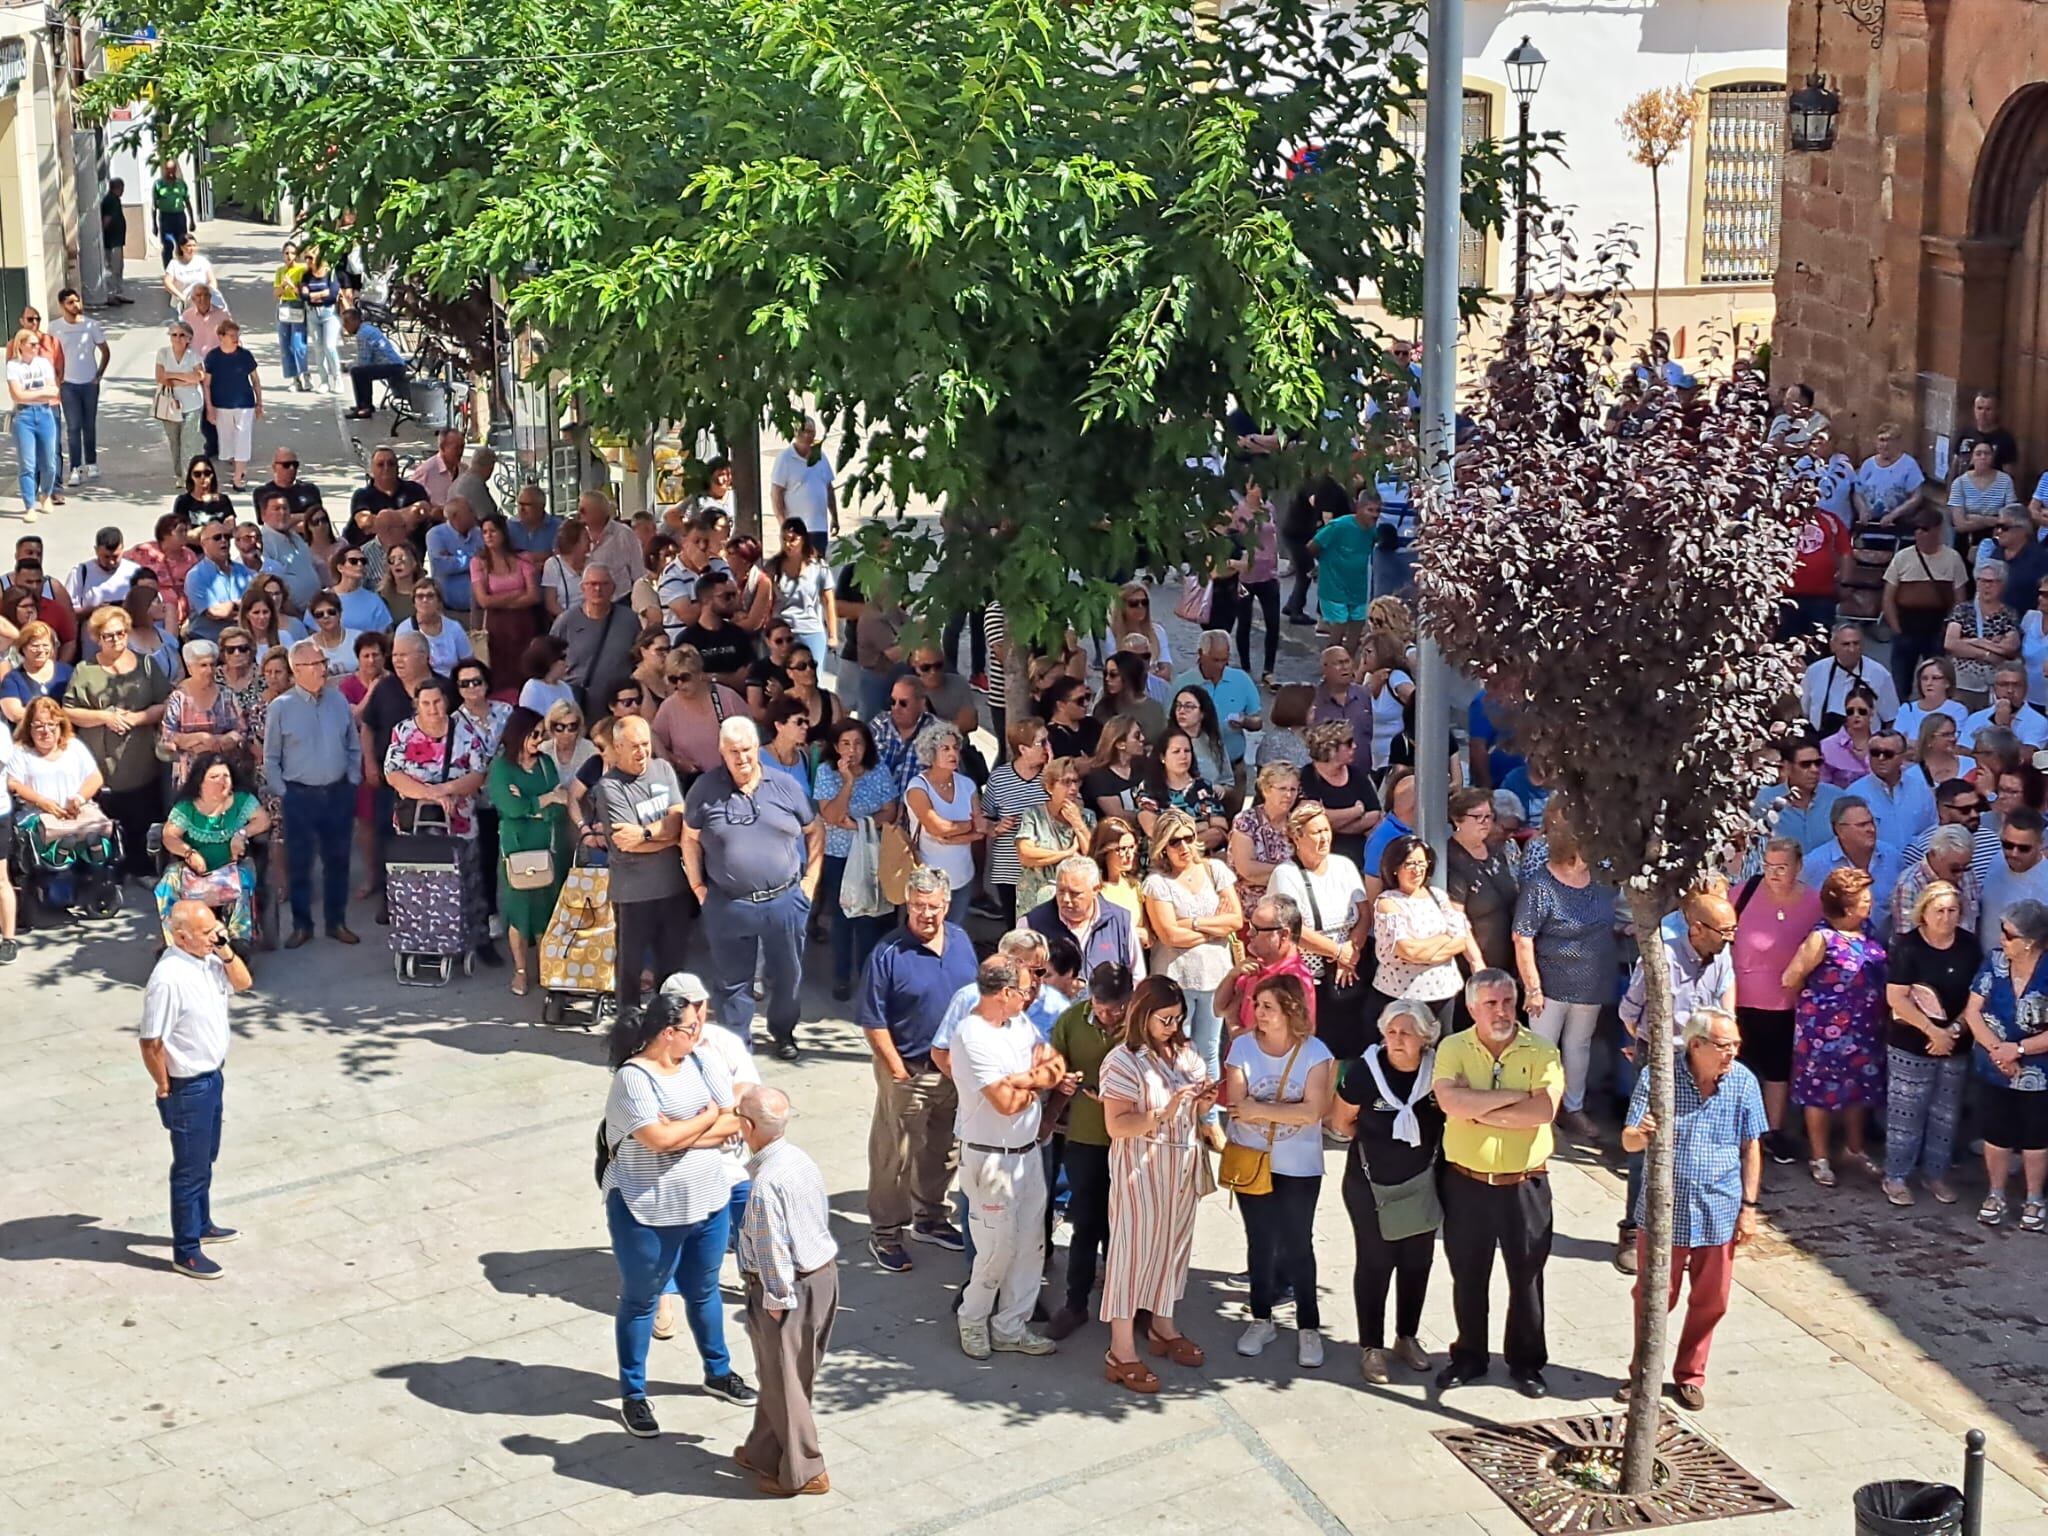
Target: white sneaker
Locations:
point(76, 476)
point(1257, 1335)
point(1308, 1349)
point(92, 471)
point(1025, 1343)
point(974, 1340)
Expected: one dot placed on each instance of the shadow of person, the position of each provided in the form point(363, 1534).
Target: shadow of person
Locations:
point(585, 1277)
point(615, 1459)
point(487, 1384)
point(28, 1239)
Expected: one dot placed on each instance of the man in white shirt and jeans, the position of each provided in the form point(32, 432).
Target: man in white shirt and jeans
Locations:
point(85, 359)
point(800, 486)
point(184, 1047)
point(999, 1068)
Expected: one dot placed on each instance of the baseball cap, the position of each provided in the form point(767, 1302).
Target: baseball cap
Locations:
point(684, 987)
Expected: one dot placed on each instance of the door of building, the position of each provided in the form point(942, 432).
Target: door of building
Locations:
point(2025, 369)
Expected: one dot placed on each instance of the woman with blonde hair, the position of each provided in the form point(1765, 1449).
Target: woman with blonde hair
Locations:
point(1935, 753)
point(1259, 838)
point(1154, 1088)
point(1927, 986)
point(1113, 778)
point(1192, 909)
point(1131, 614)
point(1279, 1084)
point(33, 386)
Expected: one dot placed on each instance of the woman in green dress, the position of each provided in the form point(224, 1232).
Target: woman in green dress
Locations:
point(526, 792)
point(206, 843)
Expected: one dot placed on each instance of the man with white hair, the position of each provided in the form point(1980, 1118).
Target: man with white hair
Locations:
point(473, 485)
point(640, 805)
point(753, 849)
point(1825, 688)
point(1717, 1177)
point(791, 1264)
point(599, 633)
point(313, 758)
point(1230, 689)
point(1101, 929)
point(184, 1047)
point(614, 546)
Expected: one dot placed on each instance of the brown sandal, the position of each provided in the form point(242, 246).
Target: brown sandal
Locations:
point(1180, 1349)
point(1134, 1374)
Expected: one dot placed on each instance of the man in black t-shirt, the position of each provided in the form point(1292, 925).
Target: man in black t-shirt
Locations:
point(386, 490)
point(727, 649)
point(767, 674)
point(388, 706)
point(1984, 428)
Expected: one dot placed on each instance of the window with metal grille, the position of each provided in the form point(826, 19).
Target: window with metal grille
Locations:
point(1478, 128)
point(1745, 161)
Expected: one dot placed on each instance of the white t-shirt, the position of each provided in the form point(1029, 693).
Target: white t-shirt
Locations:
point(805, 488)
point(985, 1053)
point(60, 778)
point(1297, 1149)
point(341, 656)
point(1912, 716)
point(719, 1042)
point(190, 397)
point(444, 649)
point(187, 275)
point(81, 340)
point(1339, 891)
point(1388, 718)
point(1887, 489)
point(186, 1007)
point(36, 375)
point(7, 756)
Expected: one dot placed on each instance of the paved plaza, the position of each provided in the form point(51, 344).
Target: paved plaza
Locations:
point(415, 1336)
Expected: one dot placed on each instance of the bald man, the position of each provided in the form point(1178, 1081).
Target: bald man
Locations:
point(184, 1047)
point(1697, 941)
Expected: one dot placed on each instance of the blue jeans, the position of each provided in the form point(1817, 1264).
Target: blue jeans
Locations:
point(317, 822)
point(82, 421)
point(649, 1258)
point(291, 346)
point(738, 932)
point(1923, 1101)
point(1205, 1032)
point(736, 1211)
point(853, 938)
point(192, 1115)
point(35, 447)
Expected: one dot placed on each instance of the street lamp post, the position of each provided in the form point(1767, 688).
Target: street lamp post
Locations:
point(1525, 77)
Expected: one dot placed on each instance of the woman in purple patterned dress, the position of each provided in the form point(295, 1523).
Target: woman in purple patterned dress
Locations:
point(1838, 1023)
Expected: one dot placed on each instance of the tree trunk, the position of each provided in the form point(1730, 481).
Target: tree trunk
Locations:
point(1656, 255)
point(743, 449)
point(1653, 1055)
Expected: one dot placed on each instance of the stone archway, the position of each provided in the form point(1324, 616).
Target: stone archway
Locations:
point(2009, 215)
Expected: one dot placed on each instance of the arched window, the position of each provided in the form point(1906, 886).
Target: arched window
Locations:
point(1745, 156)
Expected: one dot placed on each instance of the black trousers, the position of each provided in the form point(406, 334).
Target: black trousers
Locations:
point(1267, 595)
point(657, 923)
point(1919, 637)
point(1279, 1232)
point(975, 622)
point(134, 811)
point(1512, 1220)
point(363, 376)
point(1087, 1219)
point(1404, 1266)
point(487, 856)
point(1304, 560)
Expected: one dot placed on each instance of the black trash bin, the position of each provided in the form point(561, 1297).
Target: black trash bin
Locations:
point(1904, 1507)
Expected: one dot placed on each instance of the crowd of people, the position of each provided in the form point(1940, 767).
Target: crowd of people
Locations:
point(1176, 931)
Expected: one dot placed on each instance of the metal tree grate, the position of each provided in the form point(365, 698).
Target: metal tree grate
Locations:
point(1695, 1479)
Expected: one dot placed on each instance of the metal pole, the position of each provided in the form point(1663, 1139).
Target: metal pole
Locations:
point(1443, 146)
point(1522, 211)
point(1973, 1482)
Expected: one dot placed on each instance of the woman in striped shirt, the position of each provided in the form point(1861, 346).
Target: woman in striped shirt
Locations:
point(1014, 788)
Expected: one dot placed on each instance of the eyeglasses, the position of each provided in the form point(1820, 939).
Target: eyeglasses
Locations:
point(326, 613)
point(1269, 927)
point(931, 666)
point(2005, 931)
point(1857, 714)
point(1723, 1046)
point(226, 650)
point(733, 818)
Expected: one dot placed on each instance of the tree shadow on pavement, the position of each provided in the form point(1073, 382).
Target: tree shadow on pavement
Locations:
point(79, 1239)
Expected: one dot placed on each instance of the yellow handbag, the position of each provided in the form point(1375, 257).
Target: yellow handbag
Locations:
point(1249, 1170)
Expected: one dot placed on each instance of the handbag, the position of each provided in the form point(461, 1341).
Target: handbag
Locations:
point(1925, 596)
point(1319, 966)
point(480, 645)
point(1249, 1170)
point(1409, 1208)
point(1197, 598)
point(415, 818)
point(165, 407)
point(530, 871)
point(860, 885)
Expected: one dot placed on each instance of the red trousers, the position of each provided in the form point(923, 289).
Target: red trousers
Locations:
point(1712, 1273)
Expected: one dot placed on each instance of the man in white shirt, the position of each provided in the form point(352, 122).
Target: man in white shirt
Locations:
point(1902, 802)
point(439, 473)
point(2022, 875)
point(999, 1068)
point(106, 577)
point(2009, 708)
point(184, 1047)
point(85, 360)
point(1828, 681)
point(613, 544)
point(801, 486)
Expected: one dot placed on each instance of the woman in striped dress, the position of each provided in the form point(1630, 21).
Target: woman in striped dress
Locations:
point(1154, 1091)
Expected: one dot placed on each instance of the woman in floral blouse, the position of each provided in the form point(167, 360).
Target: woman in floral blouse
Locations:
point(439, 758)
point(1259, 842)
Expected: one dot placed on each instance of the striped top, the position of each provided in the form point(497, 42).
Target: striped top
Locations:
point(666, 1189)
point(787, 1229)
point(1009, 795)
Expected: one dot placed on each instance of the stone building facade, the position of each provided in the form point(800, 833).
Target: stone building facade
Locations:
point(1914, 261)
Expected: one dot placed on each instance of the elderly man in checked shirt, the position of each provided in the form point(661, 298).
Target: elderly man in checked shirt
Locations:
point(791, 1265)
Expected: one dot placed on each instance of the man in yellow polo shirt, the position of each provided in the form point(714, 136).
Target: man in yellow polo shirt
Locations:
point(1499, 1086)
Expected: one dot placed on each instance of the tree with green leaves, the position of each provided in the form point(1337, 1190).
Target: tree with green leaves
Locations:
point(1023, 255)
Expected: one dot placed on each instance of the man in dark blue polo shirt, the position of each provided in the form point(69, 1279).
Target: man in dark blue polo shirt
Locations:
point(1100, 929)
point(911, 977)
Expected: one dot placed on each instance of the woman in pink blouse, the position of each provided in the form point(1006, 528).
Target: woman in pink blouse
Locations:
point(507, 590)
point(1845, 756)
point(1774, 912)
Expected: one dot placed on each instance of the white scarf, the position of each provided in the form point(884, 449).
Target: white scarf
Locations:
point(1406, 1126)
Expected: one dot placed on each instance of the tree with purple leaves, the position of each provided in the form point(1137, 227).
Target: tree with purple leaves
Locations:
point(1609, 566)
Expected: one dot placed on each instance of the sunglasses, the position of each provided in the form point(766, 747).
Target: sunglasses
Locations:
point(1269, 927)
point(1805, 762)
point(285, 464)
point(2012, 847)
point(630, 699)
point(1137, 602)
point(1183, 840)
point(903, 703)
point(930, 666)
point(477, 682)
point(1857, 714)
point(326, 613)
point(803, 666)
point(563, 730)
point(203, 470)
point(358, 560)
point(1885, 752)
point(227, 650)
point(1968, 810)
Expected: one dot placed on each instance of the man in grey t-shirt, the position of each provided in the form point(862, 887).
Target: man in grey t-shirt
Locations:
point(753, 848)
point(640, 805)
point(600, 635)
